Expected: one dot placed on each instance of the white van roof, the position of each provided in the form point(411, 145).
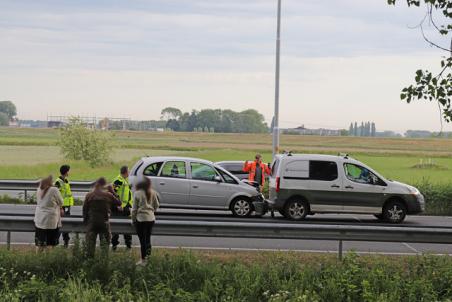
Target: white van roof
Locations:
point(315, 156)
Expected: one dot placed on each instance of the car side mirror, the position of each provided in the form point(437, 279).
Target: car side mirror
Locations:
point(217, 178)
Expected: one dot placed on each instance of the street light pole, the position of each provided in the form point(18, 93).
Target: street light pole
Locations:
point(276, 116)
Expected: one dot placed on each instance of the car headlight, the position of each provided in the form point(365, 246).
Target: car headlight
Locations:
point(413, 190)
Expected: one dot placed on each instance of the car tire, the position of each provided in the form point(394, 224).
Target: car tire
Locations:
point(296, 209)
point(394, 211)
point(242, 207)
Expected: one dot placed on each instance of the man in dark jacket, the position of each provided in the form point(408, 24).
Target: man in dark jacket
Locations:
point(96, 214)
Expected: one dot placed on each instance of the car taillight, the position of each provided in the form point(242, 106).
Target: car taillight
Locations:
point(278, 182)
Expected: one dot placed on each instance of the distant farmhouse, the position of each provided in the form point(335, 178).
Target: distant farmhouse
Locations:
point(302, 130)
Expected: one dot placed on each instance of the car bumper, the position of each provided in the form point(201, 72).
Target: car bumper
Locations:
point(416, 204)
point(260, 205)
point(275, 204)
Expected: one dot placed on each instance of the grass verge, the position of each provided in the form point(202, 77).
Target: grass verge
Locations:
point(199, 276)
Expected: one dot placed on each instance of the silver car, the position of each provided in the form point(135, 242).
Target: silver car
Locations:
point(193, 183)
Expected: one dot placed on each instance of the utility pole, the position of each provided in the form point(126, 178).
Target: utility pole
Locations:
point(276, 116)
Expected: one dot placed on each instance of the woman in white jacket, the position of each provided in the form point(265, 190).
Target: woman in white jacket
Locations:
point(48, 214)
point(145, 203)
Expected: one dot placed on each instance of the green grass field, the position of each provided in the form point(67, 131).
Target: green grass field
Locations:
point(32, 153)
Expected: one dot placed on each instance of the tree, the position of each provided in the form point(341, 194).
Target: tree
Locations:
point(188, 121)
point(77, 142)
point(250, 121)
point(351, 130)
point(4, 119)
point(173, 124)
point(8, 108)
point(428, 85)
point(171, 113)
point(368, 129)
point(355, 130)
point(373, 131)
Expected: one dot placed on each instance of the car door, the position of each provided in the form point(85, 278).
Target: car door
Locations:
point(207, 187)
point(363, 190)
point(325, 186)
point(172, 183)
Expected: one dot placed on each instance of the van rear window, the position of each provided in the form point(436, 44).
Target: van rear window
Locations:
point(322, 170)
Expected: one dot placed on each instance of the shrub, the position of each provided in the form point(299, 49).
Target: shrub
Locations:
point(438, 197)
point(78, 142)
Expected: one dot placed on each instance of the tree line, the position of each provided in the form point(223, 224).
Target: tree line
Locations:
point(365, 129)
point(214, 120)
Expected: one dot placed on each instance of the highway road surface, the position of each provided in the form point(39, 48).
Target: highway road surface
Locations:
point(269, 244)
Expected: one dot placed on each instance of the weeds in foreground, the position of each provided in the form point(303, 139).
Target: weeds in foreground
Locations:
point(62, 275)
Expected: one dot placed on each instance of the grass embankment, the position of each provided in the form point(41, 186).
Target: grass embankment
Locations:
point(202, 276)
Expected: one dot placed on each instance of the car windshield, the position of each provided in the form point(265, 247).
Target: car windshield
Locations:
point(227, 176)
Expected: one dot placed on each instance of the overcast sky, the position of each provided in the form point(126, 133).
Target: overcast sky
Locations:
point(342, 60)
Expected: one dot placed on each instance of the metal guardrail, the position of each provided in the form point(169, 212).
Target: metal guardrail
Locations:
point(338, 233)
point(32, 185)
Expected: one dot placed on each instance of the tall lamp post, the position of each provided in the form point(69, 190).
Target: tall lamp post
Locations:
point(275, 149)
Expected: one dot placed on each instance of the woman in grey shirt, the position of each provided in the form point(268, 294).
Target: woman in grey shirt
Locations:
point(144, 205)
point(48, 214)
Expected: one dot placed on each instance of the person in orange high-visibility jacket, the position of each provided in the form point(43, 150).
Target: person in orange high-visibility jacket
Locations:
point(257, 171)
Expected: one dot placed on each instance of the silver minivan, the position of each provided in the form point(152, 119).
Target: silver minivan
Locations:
point(192, 183)
point(304, 184)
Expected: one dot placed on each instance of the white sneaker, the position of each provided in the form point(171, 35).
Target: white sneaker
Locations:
point(141, 262)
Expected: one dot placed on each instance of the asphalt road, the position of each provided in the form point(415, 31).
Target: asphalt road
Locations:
point(269, 244)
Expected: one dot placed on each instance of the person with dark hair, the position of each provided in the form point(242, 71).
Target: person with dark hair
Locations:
point(144, 206)
point(62, 183)
point(47, 214)
point(123, 190)
point(96, 215)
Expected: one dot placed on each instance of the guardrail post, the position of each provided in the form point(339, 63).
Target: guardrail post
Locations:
point(25, 195)
point(340, 250)
point(8, 240)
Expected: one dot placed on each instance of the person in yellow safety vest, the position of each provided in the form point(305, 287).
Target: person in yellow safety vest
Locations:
point(123, 190)
point(62, 183)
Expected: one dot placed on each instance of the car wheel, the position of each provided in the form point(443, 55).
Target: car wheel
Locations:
point(394, 212)
point(296, 209)
point(241, 207)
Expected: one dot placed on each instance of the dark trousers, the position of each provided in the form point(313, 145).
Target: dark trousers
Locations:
point(127, 240)
point(92, 231)
point(66, 238)
point(144, 230)
point(127, 237)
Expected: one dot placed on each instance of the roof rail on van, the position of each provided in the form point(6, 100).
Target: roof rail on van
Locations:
point(344, 155)
point(288, 153)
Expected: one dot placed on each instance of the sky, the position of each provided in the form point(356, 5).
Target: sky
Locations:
point(341, 60)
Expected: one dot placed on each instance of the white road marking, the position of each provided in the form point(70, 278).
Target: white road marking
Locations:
point(359, 220)
point(274, 250)
point(411, 248)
